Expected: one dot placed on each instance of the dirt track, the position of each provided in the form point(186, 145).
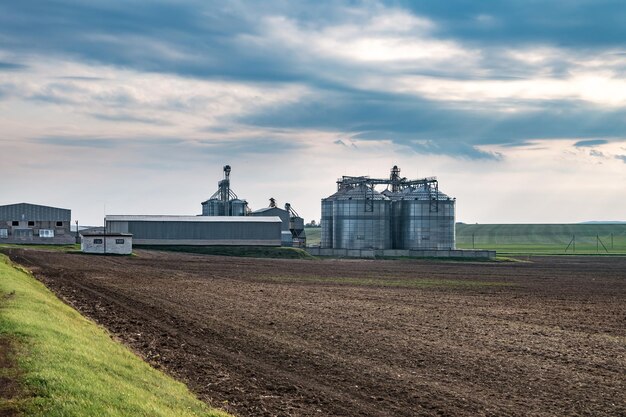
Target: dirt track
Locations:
point(365, 338)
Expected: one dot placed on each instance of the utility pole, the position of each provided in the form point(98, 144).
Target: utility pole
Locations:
point(104, 236)
point(473, 247)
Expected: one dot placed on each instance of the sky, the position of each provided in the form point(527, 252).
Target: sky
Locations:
point(133, 107)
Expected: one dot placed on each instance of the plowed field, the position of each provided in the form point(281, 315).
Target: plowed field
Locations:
point(363, 337)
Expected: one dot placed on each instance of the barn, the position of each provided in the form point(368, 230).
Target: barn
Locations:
point(198, 230)
point(25, 223)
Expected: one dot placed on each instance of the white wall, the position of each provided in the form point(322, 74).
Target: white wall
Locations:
point(88, 245)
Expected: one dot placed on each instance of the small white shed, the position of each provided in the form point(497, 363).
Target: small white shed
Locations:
point(111, 243)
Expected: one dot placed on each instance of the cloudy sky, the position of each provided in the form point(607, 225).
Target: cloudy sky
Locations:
point(133, 107)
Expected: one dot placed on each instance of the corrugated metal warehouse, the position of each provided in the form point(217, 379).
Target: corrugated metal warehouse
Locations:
point(35, 224)
point(198, 230)
point(284, 217)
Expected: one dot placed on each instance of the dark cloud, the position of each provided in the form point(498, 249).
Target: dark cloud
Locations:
point(571, 24)
point(10, 66)
point(217, 40)
point(128, 118)
point(590, 143)
point(176, 148)
point(80, 78)
point(212, 39)
point(106, 142)
point(438, 127)
point(243, 146)
point(82, 142)
point(57, 93)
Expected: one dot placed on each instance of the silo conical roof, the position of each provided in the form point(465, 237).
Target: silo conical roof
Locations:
point(360, 192)
point(419, 193)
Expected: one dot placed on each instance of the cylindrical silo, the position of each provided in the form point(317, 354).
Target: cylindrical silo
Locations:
point(395, 220)
point(361, 219)
point(213, 207)
point(425, 219)
point(238, 207)
point(326, 240)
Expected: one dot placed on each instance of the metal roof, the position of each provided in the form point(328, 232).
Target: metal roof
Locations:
point(110, 234)
point(36, 212)
point(359, 192)
point(34, 206)
point(195, 219)
point(263, 210)
point(415, 193)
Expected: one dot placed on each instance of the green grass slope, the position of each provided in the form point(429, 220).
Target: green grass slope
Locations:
point(69, 366)
point(543, 238)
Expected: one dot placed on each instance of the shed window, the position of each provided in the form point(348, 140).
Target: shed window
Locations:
point(59, 224)
point(4, 234)
point(46, 233)
point(97, 241)
point(15, 223)
point(119, 241)
point(31, 223)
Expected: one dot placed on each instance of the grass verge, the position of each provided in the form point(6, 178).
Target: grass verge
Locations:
point(69, 366)
point(55, 248)
point(243, 251)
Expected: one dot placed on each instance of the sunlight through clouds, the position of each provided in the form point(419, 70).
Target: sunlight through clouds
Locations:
point(506, 103)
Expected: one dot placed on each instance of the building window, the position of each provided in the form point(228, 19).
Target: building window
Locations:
point(15, 223)
point(46, 233)
point(60, 224)
point(4, 234)
point(119, 241)
point(97, 241)
point(31, 223)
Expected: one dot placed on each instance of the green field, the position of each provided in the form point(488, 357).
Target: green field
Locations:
point(544, 238)
point(313, 235)
point(549, 239)
point(67, 366)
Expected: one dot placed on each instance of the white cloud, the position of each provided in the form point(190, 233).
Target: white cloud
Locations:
point(392, 50)
point(65, 96)
point(380, 50)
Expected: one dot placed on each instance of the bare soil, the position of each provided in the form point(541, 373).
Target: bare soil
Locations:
point(262, 337)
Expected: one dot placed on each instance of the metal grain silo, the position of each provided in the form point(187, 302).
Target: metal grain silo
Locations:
point(326, 240)
point(238, 207)
point(424, 219)
point(360, 219)
point(395, 217)
point(213, 207)
point(224, 202)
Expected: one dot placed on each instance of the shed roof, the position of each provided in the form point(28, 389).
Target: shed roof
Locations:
point(196, 219)
point(27, 211)
point(101, 234)
point(263, 210)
